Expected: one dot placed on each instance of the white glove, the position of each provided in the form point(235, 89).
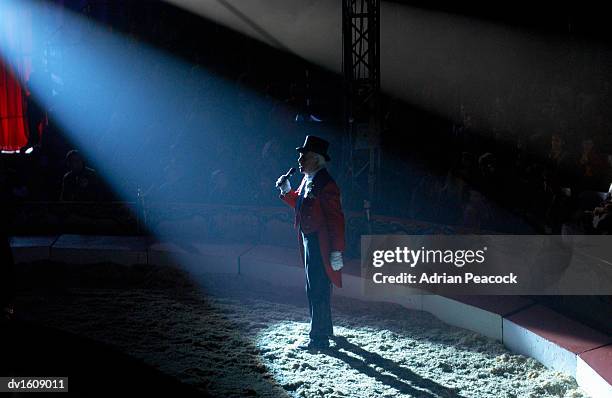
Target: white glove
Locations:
point(335, 258)
point(284, 186)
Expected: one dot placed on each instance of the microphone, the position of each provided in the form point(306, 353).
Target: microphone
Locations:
point(284, 178)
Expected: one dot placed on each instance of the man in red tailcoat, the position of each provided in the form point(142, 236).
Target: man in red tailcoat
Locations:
point(320, 223)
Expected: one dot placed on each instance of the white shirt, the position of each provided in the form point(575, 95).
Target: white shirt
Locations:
point(308, 183)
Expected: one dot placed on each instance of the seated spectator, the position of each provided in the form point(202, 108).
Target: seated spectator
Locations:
point(80, 182)
point(591, 165)
point(558, 156)
point(557, 186)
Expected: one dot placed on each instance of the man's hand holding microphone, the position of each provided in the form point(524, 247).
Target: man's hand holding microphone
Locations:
point(283, 181)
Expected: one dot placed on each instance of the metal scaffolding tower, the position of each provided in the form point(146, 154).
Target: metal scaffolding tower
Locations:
point(361, 64)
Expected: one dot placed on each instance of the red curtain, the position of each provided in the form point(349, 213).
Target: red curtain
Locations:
point(13, 126)
point(16, 38)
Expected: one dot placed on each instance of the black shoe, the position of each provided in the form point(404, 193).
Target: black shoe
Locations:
point(317, 344)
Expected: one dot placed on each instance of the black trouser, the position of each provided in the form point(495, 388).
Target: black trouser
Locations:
point(318, 289)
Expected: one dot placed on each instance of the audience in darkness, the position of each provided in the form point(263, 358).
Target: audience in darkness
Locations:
point(473, 170)
point(540, 182)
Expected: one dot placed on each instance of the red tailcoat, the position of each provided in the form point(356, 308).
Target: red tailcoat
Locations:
point(320, 212)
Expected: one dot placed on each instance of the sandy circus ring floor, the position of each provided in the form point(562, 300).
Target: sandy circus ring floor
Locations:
point(238, 337)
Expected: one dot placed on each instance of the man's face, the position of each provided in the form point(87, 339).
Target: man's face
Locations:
point(307, 162)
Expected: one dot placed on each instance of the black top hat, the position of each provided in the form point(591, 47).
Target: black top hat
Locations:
point(315, 144)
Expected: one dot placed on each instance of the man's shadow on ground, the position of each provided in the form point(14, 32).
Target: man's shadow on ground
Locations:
point(405, 381)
